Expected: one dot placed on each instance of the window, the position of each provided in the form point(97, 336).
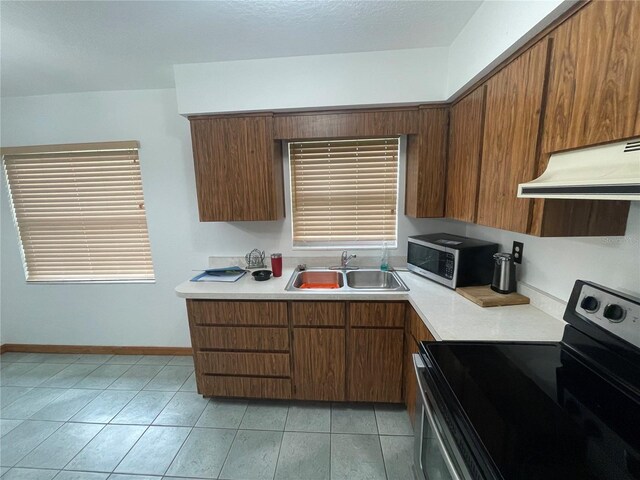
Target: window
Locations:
point(80, 212)
point(344, 192)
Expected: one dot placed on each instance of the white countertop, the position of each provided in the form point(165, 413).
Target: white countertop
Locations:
point(448, 315)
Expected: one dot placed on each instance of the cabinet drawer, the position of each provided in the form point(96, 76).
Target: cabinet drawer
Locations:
point(232, 363)
point(241, 338)
point(251, 387)
point(211, 312)
point(318, 314)
point(376, 314)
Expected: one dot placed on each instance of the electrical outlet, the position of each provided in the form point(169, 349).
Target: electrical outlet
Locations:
point(516, 251)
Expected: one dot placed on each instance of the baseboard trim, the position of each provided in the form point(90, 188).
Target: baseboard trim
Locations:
point(99, 349)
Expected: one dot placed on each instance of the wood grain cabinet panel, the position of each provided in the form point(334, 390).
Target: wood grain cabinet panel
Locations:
point(373, 123)
point(212, 312)
point(238, 168)
point(594, 81)
point(376, 314)
point(241, 338)
point(416, 326)
point(319, 363)
point(466, 129)
point(245, 387)
point(593, 97)
point(426, 165)
point(512, 121)
point(319, 314)
point(240, 363)
point(416, 331)
point(375, 365)
point(410, 381)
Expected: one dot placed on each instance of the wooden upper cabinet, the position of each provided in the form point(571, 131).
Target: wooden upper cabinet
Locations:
point(238, 168)
point(346, 124)
point(509, 150)
point(426, 164)
point(466, 128)
point(594, 81)
point(593, 97)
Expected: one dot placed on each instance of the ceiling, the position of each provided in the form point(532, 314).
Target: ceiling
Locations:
point(73, 46)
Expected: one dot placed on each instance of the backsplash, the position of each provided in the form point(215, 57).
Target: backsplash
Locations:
point(553, 264)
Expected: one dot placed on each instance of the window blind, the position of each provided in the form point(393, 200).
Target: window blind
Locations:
point(80, 212)
point(344, 192)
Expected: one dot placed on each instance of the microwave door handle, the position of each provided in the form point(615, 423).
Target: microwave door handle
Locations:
point(418, 366)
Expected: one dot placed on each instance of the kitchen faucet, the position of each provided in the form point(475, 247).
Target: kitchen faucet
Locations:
point(345, 259)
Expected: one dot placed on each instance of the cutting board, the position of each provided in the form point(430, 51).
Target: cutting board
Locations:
point(485, 297)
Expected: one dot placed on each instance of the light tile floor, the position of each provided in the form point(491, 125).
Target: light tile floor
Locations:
point(135, 417)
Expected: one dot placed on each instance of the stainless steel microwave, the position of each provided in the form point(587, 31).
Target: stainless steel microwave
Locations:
point(451, 260)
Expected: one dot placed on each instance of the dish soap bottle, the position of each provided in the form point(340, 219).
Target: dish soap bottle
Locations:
point(384, 261)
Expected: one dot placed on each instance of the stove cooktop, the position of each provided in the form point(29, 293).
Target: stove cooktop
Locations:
point(540, 413)
point(541, 410)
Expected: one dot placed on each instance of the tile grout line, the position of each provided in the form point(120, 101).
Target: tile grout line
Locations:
point(40, 443)
point(131, 448)
point(85, 445)
point(330, 440)
point(177, 452)
point(284, 427)
point(226, 457)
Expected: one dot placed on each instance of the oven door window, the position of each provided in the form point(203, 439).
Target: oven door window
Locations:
point(434, 466)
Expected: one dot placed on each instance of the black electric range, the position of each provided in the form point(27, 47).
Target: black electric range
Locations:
point(545, 410)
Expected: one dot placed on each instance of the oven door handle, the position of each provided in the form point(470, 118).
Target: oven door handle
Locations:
point(428, 409)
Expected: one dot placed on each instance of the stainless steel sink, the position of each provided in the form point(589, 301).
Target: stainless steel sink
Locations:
point(324, 279)
point(373, 280)
point(316, 280)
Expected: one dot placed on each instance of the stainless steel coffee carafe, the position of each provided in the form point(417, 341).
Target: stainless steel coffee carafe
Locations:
point(504, 273)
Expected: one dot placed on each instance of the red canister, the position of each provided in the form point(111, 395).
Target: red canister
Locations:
point(276, 264)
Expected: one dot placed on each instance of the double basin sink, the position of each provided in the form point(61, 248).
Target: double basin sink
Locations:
point(341, 280)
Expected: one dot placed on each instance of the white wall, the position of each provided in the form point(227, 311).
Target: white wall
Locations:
point(420, 75)
point(129, 314)
point(494, 32)
point(554, 264)
point(370, 78)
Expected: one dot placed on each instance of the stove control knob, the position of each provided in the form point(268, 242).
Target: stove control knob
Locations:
point(590, 304)
point(614, 313)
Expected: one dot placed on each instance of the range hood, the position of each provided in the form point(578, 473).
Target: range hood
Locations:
point(605, 172)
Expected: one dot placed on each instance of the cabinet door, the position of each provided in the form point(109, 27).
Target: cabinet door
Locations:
point(238, 171)
point(593, 97)
point(512, 119)
point(466, 128)
point(375, 365)
point(319, 363)
point(594, 80)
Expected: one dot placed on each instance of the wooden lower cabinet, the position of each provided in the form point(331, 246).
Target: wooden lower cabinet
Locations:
point(416, 331)
point(319, 363)
point(241, 349)
point(376, 314)
point(246, 387)
point(327, 351)
point(375, 365)
point(410, 383)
